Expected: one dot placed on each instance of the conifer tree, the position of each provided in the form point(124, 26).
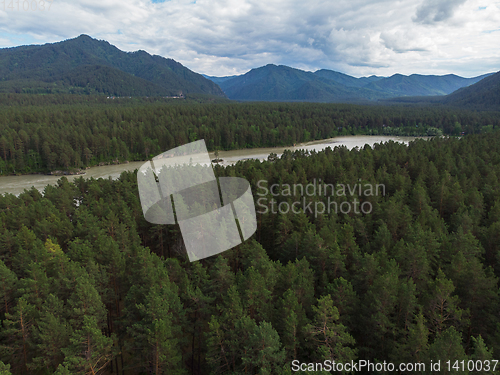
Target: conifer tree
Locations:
point(17, 336)
point(89, 351)
point(155, 335)
point(4, 369)
point(442, 307)
point(52, 334)
point(263, 353)
point(482, 354)
point(8, 282)
point(448, 346)
point(290, 320)
point(333, 340)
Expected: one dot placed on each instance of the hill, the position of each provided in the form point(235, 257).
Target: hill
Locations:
point(484, 95)
point(282, 83)
point(421, 85)
point(274, 83)
point(87, 65)
point(345, 79)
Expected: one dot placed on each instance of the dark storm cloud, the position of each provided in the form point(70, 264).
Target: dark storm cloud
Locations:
point(433, 11)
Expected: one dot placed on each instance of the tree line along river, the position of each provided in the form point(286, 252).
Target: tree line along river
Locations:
point(17, 184)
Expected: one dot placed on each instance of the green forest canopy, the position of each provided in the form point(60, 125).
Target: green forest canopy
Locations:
point(63, 132)
point(89, 286)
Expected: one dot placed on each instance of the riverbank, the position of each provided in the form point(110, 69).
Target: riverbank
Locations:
point(66, 173)
point(17, 184)
point(70, 172)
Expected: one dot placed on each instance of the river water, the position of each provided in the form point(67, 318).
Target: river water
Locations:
point(16, 184)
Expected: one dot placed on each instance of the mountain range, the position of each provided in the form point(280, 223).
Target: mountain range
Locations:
point(276, 83)
point(84, 65)
point(87, 66)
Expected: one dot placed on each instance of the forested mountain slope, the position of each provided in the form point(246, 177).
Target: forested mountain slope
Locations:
point(421, 85)
point(275, 83)
point(87, 65)
point(482, 95)
point(282, 83)
point(345, 79)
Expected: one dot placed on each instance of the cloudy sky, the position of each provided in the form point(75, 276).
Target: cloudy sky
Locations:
point(226, 37)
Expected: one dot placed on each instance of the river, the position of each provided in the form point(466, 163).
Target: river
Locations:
point(16, 184)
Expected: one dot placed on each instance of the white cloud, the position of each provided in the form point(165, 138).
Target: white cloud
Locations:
point(226, 37)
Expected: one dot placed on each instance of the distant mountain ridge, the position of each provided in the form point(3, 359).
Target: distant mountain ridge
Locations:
point(483, 95)
point(345, 79)
point(84, 65)
point(423, 85)
point(87, 65)
point(218, 80)
point(274, 83)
